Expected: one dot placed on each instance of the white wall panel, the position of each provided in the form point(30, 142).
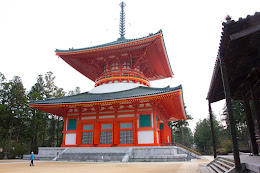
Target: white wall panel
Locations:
point(70, 139)
point(146, 137)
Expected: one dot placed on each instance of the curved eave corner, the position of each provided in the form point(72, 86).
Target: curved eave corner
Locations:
point(182, 105)
point(179, 107)
point(166, 55)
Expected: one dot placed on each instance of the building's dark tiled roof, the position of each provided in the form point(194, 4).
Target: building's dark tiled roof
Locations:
point(92, 97)
point(238, 48)
point(120, 41)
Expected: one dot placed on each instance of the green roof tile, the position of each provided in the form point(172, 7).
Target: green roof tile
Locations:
point(91, 97)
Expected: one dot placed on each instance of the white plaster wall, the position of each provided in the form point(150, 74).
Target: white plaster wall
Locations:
point(146, 137)
point(126, 115)
point(88, 118)
point(106, 116)
point(114, 87)
point(157, 137)
point(70, 139)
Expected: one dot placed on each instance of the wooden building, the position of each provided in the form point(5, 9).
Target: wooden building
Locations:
point(236, 77)
point(122, 109)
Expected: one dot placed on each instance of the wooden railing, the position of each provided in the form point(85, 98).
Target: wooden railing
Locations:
point(112, 76)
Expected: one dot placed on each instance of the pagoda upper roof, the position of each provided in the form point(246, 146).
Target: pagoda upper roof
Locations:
point(170, 99)
point(118, 41)
point(89, 61)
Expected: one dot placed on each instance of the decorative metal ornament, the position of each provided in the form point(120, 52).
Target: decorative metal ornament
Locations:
point(122, 21)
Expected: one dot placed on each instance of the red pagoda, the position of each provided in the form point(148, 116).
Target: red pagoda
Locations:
point(122, 109)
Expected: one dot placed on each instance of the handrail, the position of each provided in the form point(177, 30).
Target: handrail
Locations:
point(187, 148)
point(122, 75)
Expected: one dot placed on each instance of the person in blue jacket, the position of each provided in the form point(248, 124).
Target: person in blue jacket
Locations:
point(32, 158)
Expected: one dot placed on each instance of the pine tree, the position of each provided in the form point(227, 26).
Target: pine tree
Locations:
point(14, 100)
point(181, 132)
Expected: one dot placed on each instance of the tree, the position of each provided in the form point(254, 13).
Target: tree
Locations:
point(24, 129)
point(181, 132)
point(75, 92)
point(240, 117)
point(52, 91)
point(38, 119)
point(14, 100)
point(203, 138)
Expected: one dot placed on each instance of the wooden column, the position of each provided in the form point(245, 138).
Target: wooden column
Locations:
point(135, 105)
point(64, 111)
point(256, 104)
point(116, 127)
point(212, 131)
point(231, 119)
point(64, 130)
point(250, 127)
point(79, 127)
point(97, 127)
point(154, 128)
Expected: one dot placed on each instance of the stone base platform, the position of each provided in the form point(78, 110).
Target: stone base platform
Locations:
point(115, 154)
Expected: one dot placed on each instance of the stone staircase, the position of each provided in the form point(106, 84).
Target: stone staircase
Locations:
point(249, 164)
point(219, 165)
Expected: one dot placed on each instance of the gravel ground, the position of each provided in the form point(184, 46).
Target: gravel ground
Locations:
point(22, 166)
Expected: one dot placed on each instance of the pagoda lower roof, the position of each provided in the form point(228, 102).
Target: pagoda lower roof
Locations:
point(94, 97)
point(168, 100)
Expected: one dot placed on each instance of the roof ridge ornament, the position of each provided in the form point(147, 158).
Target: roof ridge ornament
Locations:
point(122, 22)
point(228, 19)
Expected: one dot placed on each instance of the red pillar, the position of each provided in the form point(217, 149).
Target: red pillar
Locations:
point(64, 130)
point(154, 128)
point(116, 132)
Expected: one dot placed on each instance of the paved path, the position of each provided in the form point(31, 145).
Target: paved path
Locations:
point(21, 166)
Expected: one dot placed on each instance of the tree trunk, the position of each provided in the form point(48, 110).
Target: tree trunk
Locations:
point(182, 136)
point(10, 138)
point(18, 132)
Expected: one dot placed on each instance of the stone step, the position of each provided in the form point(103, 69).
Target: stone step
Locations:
point(219, 166)
point(97, 150)
point(210, 169)
point(94, 154)
point(226, 161)
point(205, 169)
point(224, 164)
point(215, 168)
point(95, 157)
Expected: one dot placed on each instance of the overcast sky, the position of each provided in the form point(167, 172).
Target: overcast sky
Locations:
point(30, 31)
